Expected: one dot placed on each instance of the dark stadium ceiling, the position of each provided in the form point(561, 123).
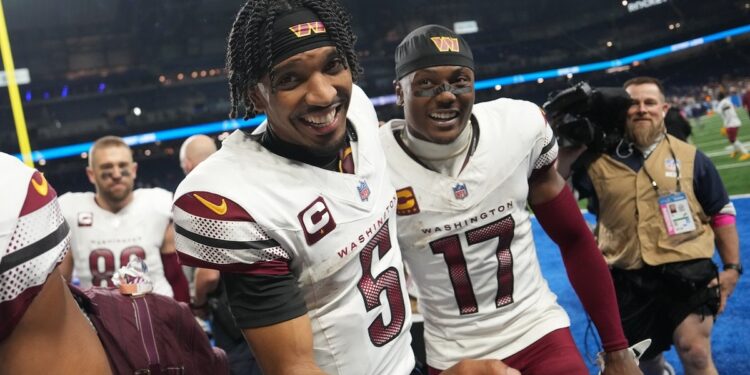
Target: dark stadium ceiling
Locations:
point(61, 40)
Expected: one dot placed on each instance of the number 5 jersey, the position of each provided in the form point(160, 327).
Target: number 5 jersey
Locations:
point(467, 241)
point(103, 241)
point(246, 210)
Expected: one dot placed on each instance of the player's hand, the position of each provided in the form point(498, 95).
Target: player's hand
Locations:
point(727, 281)
point(480, 367)
point(620, 362)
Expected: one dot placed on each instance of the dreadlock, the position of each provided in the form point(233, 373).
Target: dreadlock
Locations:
point(248, 60)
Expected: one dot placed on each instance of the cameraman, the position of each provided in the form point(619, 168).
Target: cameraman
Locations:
point(657, 223)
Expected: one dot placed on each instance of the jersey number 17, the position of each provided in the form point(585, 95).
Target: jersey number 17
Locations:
point(458, 272)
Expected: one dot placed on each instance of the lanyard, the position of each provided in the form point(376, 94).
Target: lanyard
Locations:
point(676, 167)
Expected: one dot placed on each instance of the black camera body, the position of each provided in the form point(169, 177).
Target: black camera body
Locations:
point(594, 117)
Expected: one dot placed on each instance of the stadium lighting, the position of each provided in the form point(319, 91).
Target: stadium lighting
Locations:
point(230, 125)
point(466, 27)
point(137, 111)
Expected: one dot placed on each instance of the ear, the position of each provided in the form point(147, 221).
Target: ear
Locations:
point(258, 95)
point(665, 108)
point(399, 93)
point(90, 175)
point(135, 170)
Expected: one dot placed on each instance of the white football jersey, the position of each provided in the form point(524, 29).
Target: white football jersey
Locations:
point(251, 211)
point(33, 238)
point(728, 113)
point(467, 240)
point(103, 241)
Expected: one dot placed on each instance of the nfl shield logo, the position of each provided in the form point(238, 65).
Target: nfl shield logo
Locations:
point(460, 191)
point(364, 190)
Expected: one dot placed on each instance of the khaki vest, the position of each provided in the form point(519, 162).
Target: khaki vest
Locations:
point(631, 228)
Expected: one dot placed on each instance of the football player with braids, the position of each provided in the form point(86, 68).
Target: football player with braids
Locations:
point(298, 215)
point(464, 174)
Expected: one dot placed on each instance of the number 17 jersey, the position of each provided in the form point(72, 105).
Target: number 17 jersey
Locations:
point(467, 240)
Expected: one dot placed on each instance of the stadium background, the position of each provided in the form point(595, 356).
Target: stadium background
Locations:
point(133, 67)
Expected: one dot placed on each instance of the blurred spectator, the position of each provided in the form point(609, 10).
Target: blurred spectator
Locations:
point(732, 124)
point(194, 150)
point(116, 223)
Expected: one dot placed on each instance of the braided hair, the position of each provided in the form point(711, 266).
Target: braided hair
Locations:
point(248, 60)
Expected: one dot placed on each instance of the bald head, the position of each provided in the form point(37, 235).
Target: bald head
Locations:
point(195, 150)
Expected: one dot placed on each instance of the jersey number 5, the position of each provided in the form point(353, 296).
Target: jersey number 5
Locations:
point(102, 263)
point(458, 272)
point(371, 288)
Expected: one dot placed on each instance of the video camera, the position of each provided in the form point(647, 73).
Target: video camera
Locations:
point(594, 117)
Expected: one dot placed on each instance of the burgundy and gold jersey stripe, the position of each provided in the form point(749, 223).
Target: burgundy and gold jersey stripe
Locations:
point(212, 231)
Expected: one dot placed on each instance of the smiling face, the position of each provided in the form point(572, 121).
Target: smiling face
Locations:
point(306, 99)
point(440, 118)
point(646, 115)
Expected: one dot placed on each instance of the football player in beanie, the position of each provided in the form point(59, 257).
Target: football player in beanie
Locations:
point(294, 212)
point(464, 174)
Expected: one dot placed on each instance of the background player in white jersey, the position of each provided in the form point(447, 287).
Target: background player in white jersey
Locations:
point(463, 175)
point(732, 124)
point(298, 215)
point(40, 323)
point(116, 223)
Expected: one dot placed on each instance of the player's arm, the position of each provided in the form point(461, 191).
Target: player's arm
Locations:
point(559, 215)
point(66, 267)
point(284, 348)
point(269, 308)
point(480, 367)
point(41, 322)
point(263, 293)
point(172, 270)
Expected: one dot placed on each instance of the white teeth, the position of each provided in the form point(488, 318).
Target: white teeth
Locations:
point(443, 115)
point(321, 120)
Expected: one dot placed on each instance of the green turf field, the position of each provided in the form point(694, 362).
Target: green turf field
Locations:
point(707, 137)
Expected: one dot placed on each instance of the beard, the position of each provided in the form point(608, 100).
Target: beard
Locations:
point(644, 136)
point(116, 196)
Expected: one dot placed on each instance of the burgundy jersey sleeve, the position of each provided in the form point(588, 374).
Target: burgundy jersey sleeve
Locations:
point(212, 231)
point(37, 241)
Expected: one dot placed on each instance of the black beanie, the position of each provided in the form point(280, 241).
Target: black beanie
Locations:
point(432, 45)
